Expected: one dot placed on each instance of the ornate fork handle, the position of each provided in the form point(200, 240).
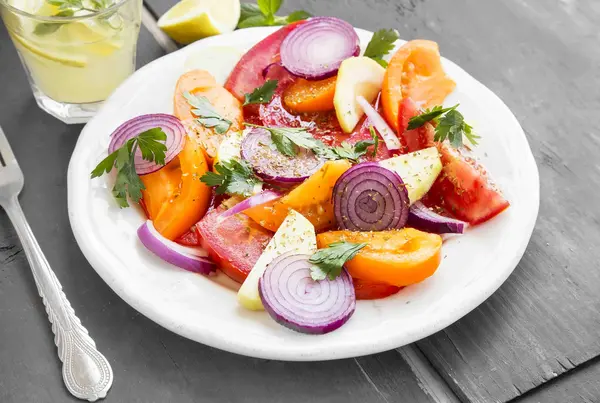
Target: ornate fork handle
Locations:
point(86, 372)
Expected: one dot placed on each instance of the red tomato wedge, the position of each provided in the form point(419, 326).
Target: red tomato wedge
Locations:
point(235, 244)
point(417, 139)
point(190, 238)
point(371, 290)
point(463, 189)
point(247, 75)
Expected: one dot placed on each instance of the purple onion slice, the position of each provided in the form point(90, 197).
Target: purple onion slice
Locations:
point(316, 49)
point(293, 299)
point(424, 219)
point(274, 167)
point(168, 123)
point(369, 197)
point(195, 260)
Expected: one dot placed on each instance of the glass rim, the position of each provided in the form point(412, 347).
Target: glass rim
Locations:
point(57, 19)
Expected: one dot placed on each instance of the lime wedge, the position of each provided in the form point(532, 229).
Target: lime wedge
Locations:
point(190, 20)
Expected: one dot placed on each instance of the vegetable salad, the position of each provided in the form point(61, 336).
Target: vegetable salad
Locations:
point(314, 176)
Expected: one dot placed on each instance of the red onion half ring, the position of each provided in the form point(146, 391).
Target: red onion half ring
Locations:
point(274, 167)
point(424, 219)
point(134, 127)
point(316, 49)
point(369, 197)
point(293, 299)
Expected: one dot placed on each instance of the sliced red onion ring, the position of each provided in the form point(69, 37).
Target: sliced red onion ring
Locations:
point(391, 140)
point(424, 219)
point(168, 123)
point(293, 299)
point(274, 167)
point(191, 259)
point(316, 49)
point(369, 197)
point(263, 197)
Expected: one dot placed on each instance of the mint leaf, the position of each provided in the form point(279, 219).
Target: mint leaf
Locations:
point(269, 7)
point(262, 94)
point(298, 15)
point(328, 262)
point(263, 14)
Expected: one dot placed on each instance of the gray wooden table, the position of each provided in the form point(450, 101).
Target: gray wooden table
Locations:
point(535, 340)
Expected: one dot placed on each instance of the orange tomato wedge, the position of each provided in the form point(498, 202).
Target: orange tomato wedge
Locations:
point(202, 83)
point(176, 199)
point(397, 257)
point(313, 199)
point(415, 71)
point(310, 96)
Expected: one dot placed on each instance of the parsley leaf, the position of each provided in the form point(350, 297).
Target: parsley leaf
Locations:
point(206, 113)
point(262, 94)
point(428, 115)
point(232, 177)
point(381, 44)
point(354, 152)
point(453, 126)
point(152, 147)
point(375, 138)
point(287, 138)
point(328, 262)
point(263, 14)
point(450, 124)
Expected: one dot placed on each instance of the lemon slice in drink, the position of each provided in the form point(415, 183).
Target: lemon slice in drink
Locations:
point(54, 55)
point(190, 20)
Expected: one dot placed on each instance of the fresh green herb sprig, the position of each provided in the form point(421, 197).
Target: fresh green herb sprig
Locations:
point(206, 114)
point(263, 14)
point(262, 94)
point(450, 124)
point(360, 148)
point(68, 8)
point(233, 177)
point(381, 44)
point(152, 146)
point(286, 139)
point(328, 262)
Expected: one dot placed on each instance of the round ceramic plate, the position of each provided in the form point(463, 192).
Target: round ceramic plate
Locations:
point(206, 310)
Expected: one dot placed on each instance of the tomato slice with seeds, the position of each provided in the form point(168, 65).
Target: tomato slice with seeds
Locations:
point(234, 244)
point(366, 290)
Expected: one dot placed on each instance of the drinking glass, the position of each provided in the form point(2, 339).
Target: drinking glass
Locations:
point(74, 56)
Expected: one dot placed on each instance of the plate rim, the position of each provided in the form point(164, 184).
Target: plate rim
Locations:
point(468, 301)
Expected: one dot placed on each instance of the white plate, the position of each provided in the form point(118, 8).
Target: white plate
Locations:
point(473, 267)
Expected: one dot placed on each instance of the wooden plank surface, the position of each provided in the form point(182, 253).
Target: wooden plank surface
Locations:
point(150, 363)
point(579, 386)
point(542, 59)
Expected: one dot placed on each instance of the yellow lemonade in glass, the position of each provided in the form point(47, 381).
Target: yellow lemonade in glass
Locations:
point(75, 52)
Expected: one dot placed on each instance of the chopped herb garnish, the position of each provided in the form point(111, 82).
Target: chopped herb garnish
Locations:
point(286, 139)
point(206, 113)
point(381, 44)
point(450, 124)
point(232, 177)
point(152, 146)
point(328, 262)
point(262, 94)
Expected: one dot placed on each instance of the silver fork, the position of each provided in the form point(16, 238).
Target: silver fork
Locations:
point(86, 372)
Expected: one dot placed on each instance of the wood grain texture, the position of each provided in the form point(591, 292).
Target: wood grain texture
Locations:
point(579, 386)
point(541, 57)
point(150, 363)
